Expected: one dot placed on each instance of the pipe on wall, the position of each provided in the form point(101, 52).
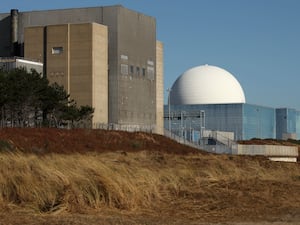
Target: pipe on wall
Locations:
point(14, 15)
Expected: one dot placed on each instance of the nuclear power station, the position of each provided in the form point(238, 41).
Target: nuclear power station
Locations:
point(207, 101)
point(106, 57)
point(109, 58)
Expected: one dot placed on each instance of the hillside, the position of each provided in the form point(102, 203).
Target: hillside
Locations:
point(55, 176)
point(49, 140)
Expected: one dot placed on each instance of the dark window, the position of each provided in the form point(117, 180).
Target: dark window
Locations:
point(57, 50)
point(131, 69)
point(144, 72)
point(138, 70)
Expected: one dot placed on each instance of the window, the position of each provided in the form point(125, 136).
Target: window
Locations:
point(124, 57)
point(57, 50)
point(150, 72)
point(138, 70)
point(131, 69)
point(150, 62)
point(144, 72)
point(124, 69)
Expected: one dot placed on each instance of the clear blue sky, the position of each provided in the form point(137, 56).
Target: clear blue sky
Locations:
point(258, 41)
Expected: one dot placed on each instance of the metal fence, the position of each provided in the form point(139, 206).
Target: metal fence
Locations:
point(224, 145)
point(125, 127)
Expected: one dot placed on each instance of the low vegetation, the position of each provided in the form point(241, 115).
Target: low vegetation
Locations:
point(193, 186)
point(124, 181)
point(139, 185)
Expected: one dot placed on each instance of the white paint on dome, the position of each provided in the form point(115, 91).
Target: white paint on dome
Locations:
point(206, 85)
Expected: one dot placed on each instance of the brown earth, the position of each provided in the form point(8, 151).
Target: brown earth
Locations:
point(256, 141)
point(222, 189)
point(80, 140)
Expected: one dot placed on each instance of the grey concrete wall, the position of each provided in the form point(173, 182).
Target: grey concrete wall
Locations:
point(61, 16)
point(267, 150)
point(111, 21)
point(45, 18)
point(137, 49)
point(5, 46)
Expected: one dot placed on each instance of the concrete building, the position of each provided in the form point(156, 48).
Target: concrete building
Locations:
point(72, 50)
point(207, 101)
point(106, 57)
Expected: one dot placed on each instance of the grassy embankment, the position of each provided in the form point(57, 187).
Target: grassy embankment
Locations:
point(143, 180)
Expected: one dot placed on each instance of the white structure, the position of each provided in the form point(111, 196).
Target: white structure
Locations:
point(11, 63)
point(206, 85)
point(273, 152)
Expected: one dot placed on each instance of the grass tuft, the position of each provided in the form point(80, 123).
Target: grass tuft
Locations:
point(131, 181)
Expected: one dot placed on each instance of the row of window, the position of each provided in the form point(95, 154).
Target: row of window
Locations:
point(125, 69)
point(132, 70)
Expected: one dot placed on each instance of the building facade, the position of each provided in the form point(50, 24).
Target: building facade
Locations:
point(70, 52)
point(288, 123)
point(207, 101)
point(99, 54)
point(245, 121)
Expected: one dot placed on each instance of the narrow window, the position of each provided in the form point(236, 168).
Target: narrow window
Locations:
point(124, 69)
point(144, 72)
point(57, 50)
point(131, 69)
point(150, 72)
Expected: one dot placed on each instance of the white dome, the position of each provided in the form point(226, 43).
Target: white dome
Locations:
point(206, 85)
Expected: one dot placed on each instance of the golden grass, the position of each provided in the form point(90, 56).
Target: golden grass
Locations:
point(125, 181)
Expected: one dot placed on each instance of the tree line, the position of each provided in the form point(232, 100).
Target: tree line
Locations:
point(27, 99)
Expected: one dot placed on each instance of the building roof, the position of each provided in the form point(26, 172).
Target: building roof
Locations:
point(206, 84)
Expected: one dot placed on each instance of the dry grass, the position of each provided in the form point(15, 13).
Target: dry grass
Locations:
point(74, 182)
point(100, 177)
point(124, 181)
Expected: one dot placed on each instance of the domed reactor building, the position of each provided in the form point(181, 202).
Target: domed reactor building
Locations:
point(207, 105)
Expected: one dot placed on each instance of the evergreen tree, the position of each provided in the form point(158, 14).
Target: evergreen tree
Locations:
point(27, 98)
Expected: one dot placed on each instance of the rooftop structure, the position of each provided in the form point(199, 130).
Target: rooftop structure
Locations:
point(206, 85)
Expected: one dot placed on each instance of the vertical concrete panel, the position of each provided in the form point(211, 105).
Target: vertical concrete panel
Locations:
point(100, 73)
point(110, 20)
point(159, 88)
point(81, 63)
point(34, 43)
point(58, 55)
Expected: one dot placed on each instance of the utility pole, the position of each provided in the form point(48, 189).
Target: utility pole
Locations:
point(169, 106)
